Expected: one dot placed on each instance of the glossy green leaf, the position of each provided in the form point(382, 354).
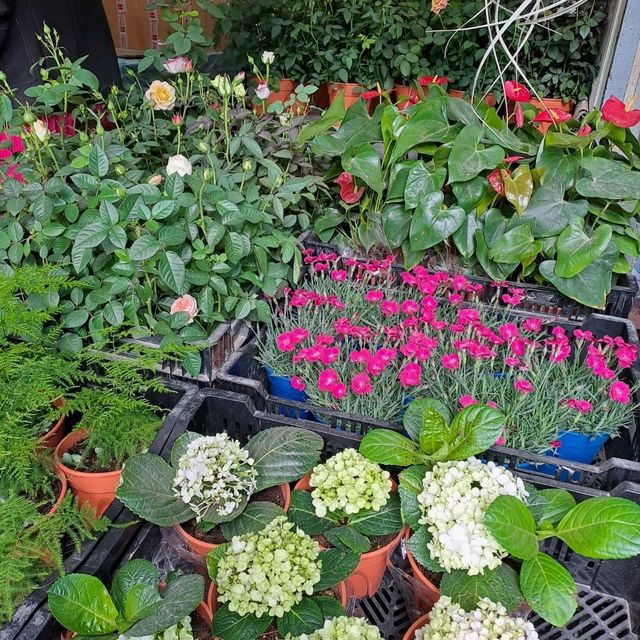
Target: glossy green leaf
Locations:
point(98, 161)
point(228, 625)
point(213, 559)
point(389, 447)
point(303, 514)
point(413, 419)
point(303, 618)
point(469, 157)
point(416, 132)
point(513, 526)
point(384, 522)
point(518, 187)
point(516, 245)
point(396, 222)
point(172, 271)
point(550, 212)
point(558, 503)
point(608, 179)
point(421, 182)
point(253, 519)
point(133, 572)
point(141, 602)
point(417, 545)
point(475, 429)
point(145, 247)
point(471, 193)
point(330, 117)
point(330, 607)
point(409, 488)
point(364, 163)
point(464, 236)
point(576, 249)
point(336, 567)
point(433, 222)
point(346, 538)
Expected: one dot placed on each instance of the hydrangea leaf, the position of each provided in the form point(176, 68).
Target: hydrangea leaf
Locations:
point(252, 520)
point(228, 625)
point(283, 454)
point(558, 503)
point(213, 557)
point(389, 447)
point(409, 489)
point(475, 429)
point(383, 522)
point(181, 443)
point(303, 514)
point(413, 419)
point(336, 567)
point(417, 544)
point(134, 572)
point(346, 538)
point(303, 618)
point(141, 602)
point(330, 607)
point(513, 526)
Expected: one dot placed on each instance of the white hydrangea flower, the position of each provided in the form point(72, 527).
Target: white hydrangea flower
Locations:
point(453, 502)
point(268, 572)
point(349, 482)
point(344, 628)
point(489, 621)
point(214, 472)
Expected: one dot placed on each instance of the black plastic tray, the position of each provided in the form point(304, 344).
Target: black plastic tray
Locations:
point(29, 618)
point(541, 299)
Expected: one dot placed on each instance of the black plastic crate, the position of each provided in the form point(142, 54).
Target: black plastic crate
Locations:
point(215, 351)
point(619, 462)
point(541, 299)
point(29, 618)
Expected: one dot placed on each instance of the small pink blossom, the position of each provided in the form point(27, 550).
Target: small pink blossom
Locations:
point(374, 296)
point(187, 304)
point(298, 383)
point(410, 306)
point(493, 405)
point(450, 361)
point(262, 91)
point(523, 386)
point(410, 375)
point(376, 366)
point(511, 361)
point(180, 64)
point(299, 334)
point(467, 401)
point(455, 298)
point(509, 331)
point(584, 130)
point(555, 444)
point(361, 356)
point(339, 275)
point(501, 440)
point(338, 391)
point(285, 342)
point(533, 324)
point(329, 355)
point(324, 339)
point(389, 308)
point(327, 379)
point(582, 406)
point(620, 392)
point(361, 384)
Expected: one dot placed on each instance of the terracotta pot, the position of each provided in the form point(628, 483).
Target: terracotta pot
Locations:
point(489, 100)
point(201, 548)
point(351, 91)
point(429, 592)
point(51, 439)
point(212, 597)
point(367, 576)
point(546, 103)
point(98, 489)
point(406, 96)
point(285, 88)
point(418, 624)
point(321, 96)
point(63, 491)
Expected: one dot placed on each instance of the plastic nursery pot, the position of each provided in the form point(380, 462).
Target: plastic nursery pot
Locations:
point(489, 100)
point(280, 386)
point(405, 96)
point(97, 489)
point(418, 624)
point(367, 576)
point(201, 548)
point(351, 91)
point(546, 103)
point(285, 88)
point(63, 491)
point(51, 439)
point(212, 597)
point(428, 593)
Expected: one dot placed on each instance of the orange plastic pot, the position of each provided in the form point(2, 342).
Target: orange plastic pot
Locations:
point(51, 439)
point(367, 576)
point(542, 105)
point(406, 96)
point(285, 88)
point(201, 548)
point(489, 100)
point(351, 92)
point(97, 489)
point(63, 491)
point(428, 593)
point(418, 624)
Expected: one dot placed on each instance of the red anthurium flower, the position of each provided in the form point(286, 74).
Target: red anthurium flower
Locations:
point(519, 116)
point(513, 159)
point(616, 112)
point(367, 95)
point(427, 80)
point(516, 91)
point(552, 115)
point(496, 181)
point(348, 191)
point(584, 130)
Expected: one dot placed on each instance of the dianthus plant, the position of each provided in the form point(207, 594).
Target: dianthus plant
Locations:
point(489, 621)
point(344, 628)
point(352, 499)
point(272, 576)
point(212, 478)
point(361, 340)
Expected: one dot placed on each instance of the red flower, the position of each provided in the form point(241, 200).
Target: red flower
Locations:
point(299, 334)
point(368, 95)
point(361, 384)
point(555, 443)
point(298, 383)
point(496, 180)
point(616, 112)
point(620, 392)
point(410, 375)
point(338, 391)
point(12, 172)
point(348, 191)
point(516, 91)
point(389, 308)
point(519, 116)
point(584, 130)
point(513, 159)
point(374, 296)
point(339, 275)
point(285, 342)
point(533, 324)
point(582, 406)
point(425, 81)
point(553, 116)
point(410, 306)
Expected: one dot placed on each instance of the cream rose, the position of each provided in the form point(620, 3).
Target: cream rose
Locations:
point(162, 94)
point(41, 130)
point(181, 64)
point(180, 165)
point(187, 304)
point(268, 57)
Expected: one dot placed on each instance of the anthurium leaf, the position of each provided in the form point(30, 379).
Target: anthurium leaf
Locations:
point(303, 618)
point(146, 488)
point(409, 488)
point(493, 269)
point(591, 286)
point(228, 625)
point(433, 222)
point(469, 158)
point(254, 518)
point(608, 179)
point(330, 607)
point(413, 419)
point(134, 572)
point(516, 245)
point(464, 236)
point(476, 429)
point(398, 176)
point(213, 558)
point(417, 545)
point(518, 187)
point(389, 447)
point(81, 603)
point(179, 598)
point(346, 538)
point(549, 589)
point(499, 585)
point(576, 249)
point(396, 222)
point(558, 503)
point(363, 162)
point(550, 212)
point(303, 514)
point(331, 116)
point(557, 164)
point(383, 522)
point(337, 566)
point(420, 182)
point(513, 526)
point(469, 194)
point(603, 528)
point(418, 131)
point(283, 454)
point(142, 601)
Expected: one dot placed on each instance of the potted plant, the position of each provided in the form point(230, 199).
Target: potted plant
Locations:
point(138, 604)
point(448, 620)
point(217, 488)
point(356, 509)
point(276, 581)
point(345, 627)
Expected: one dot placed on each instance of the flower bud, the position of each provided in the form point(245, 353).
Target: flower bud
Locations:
point(239, 91)
point(41, 130)
point(202, 146)
point(268, 57)
point(208, 175)
point(246, 165)
point(155, 180)
point(28, 117)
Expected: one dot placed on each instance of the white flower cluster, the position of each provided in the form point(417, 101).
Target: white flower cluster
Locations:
point(453, 502)
point(215, 472)
point(180, 631)
point(268, 572)
point(344, 628)
point(349, 482)
point(490, 621)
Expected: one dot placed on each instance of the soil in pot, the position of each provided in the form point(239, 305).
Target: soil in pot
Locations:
point(214, 536)
point(90, 463)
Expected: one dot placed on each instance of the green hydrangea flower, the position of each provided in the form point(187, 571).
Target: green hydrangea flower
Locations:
point(350, 483)
point(268, 572)
point(344, 628)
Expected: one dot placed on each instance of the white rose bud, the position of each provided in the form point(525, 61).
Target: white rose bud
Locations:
point(41, 130)
point(155, 180)
point(239, 91)
point(180, 165)
point(268, 57)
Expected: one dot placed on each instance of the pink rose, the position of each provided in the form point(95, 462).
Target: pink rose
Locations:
point(298, 383)
point(187, 304)
point(620, 392)
point(180, 64)
point(523, 386)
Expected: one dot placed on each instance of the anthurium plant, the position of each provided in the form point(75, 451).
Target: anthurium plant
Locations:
point(444, 180)
point(212, 478)
point(277, 576)
point(136, 605)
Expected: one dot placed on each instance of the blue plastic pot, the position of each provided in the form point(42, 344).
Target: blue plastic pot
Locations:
point(280, 386)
